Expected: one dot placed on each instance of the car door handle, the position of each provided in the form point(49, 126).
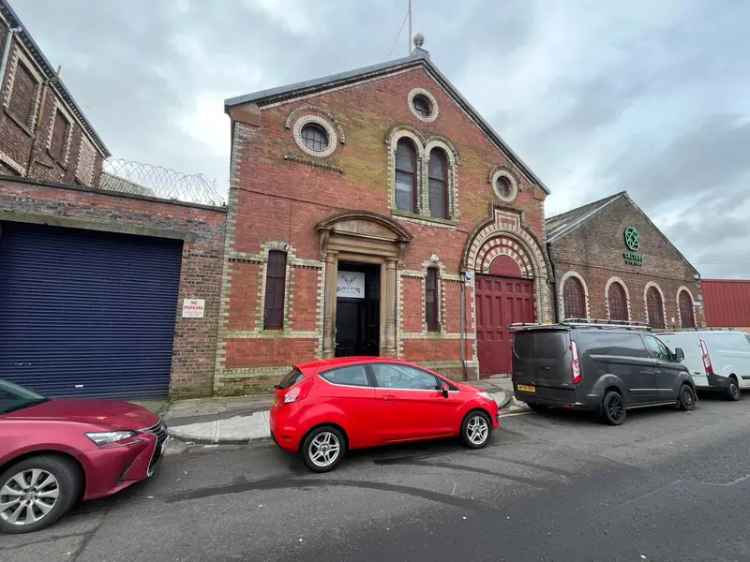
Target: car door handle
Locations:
point(389, 397)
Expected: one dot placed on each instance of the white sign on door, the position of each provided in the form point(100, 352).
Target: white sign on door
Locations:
point(193, 308)
point(351, 284)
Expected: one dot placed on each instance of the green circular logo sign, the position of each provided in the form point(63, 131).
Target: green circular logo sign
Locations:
point(632, 239)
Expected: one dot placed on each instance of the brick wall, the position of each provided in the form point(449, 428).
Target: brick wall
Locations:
point(200, 228)
point(595, 252)
point(279, 193)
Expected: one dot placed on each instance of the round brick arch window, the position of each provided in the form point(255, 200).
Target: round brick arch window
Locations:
point(618, 302)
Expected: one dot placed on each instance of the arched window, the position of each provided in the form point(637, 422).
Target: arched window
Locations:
point(618, 302)
point(273, 314)
point(438, 180)
point(574, 298)
point(686, 310)
point(655, 307)
point(406, 176)
point(431, 300)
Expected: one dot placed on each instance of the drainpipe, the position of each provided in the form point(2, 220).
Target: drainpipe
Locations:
point(462, 329)
point(555, 298)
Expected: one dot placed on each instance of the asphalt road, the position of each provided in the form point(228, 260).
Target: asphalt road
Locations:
point(667, 485)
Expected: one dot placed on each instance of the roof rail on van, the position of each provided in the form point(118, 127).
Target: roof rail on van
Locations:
point(606, 323)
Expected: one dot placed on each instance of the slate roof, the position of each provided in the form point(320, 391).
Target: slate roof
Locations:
point(49, 72)
point(418, 57)
point(560, 225)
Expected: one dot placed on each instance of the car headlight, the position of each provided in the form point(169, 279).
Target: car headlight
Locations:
point(485, 395)
point(109, 437)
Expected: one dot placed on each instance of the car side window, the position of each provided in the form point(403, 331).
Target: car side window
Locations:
point(657, 348)
point(403, 377)
point(355, 375)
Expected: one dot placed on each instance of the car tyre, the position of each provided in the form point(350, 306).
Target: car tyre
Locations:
point(476, 430)
point(686, 398)
point(323, 448)
point(613, 408)
point(733, 390)
point(38, 490)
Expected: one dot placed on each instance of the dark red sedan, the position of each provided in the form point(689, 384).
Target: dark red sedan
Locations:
point(324, 408)
point(55, 452)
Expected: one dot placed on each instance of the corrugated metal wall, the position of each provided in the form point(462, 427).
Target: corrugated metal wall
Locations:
point(726, 303)
point(86, 313)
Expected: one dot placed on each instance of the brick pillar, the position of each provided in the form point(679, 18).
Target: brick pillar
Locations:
point(390, 346)
point(329, 304)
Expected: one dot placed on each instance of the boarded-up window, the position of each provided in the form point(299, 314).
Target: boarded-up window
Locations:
point(23, 96)
point(60, 130)
point(574, 299)
point(655, 308)
point(686, 310)
point(431, 300)
point(406, 176)
point(275, 289)
point(438, 184)
point(618, 304)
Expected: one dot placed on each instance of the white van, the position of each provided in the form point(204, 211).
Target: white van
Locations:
point(717, 359)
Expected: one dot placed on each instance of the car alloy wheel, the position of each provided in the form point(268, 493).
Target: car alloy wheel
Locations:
point(476, 430)
point(613, 408)
point(28, 496)
point(323, 448)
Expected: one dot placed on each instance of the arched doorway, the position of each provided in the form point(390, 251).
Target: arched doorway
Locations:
point(655, 307)
point(510, 287)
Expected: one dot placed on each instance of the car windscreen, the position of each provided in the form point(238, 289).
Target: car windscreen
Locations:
point(14, 397)
point(549, 344)
point(290, 379)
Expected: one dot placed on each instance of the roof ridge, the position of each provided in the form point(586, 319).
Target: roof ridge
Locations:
point(591, 204)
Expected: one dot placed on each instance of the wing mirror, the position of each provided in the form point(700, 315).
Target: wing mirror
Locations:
point(679, 354)
point(444, 389)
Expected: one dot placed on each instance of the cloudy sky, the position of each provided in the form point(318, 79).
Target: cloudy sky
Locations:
point(652, 96)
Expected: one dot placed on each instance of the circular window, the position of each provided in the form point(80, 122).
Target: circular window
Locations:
point(423, 105)
point(315, 136)
point(504, 185)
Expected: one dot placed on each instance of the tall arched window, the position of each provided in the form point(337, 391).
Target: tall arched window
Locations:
point(618, 302)
point(686, 310)
point(438, 179)
point(406, 176)
point(431, 300)
point(273, 314)
point(655, 307)
point(574, 298)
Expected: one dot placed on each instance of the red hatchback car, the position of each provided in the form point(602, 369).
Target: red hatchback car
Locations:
point(324, 408)
point(55, 452)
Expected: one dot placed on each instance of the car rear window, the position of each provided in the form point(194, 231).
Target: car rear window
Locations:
point(354, 375)
point(291, 378)
point(552, 344)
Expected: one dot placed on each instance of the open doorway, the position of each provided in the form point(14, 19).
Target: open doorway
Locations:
point(357, 309)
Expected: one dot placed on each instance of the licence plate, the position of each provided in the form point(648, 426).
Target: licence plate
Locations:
point(530, 388)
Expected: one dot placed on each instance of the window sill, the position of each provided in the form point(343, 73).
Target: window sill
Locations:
point(423, 218)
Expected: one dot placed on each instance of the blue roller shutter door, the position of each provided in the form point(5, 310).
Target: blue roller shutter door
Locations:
point(85, 313)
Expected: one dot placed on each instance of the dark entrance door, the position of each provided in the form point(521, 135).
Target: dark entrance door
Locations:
point(358, 310)
point(501, 301)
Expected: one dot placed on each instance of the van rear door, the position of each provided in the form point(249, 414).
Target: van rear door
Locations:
point(541, 364)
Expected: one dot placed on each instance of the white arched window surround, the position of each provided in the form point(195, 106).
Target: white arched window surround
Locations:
point(692, 303)
point(663, 301)
point(611, 281)
point(450, 156)
point(561, 293)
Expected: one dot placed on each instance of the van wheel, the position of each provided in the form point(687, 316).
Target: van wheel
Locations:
point(476, 430)
point(733, 390)
point(613, 408)
point(686, 398)
point(323, 448)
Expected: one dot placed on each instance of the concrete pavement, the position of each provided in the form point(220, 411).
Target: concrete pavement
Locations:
point(244, 419)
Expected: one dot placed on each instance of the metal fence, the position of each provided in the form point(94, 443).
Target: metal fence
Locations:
point(138, 178)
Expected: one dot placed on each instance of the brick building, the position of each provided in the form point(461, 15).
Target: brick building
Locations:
point(106, 288)
point(376, 212)
point(727, 303)
point(612, 262)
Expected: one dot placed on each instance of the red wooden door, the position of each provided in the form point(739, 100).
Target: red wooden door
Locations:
point(501, 301)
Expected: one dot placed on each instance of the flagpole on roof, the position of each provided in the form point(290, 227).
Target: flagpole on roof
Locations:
point(408, 39)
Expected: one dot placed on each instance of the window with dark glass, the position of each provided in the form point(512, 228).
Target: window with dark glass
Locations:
point(686, 310)
point(315, 137)
point(657, 348)
point(350, 376)
point(23, 96)
point(431, 300)
point(655, 308)
point(403, 377)
point(574, 298)
point(438, 181)
point(504, 187)
point(618, 303)
point(273, 318)
point(422, 105)
point(60, 130)
point(406, 176)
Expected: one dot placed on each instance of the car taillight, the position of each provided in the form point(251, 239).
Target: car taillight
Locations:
point(706, 358)
point(575, 363)
point(292, 395)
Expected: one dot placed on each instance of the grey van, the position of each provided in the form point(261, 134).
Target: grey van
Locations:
point(600, 367)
